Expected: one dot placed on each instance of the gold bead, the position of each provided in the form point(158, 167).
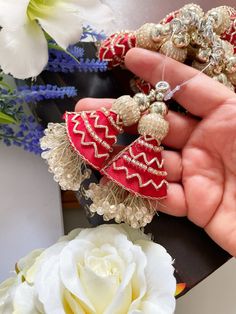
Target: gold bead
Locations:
point(221, 18)
point(181, 40)
point(144, 36)
point(154, 125)
point(232, 78)
point(159, 107)
point(192, 7)
point(223, 79)
point(159, 32)
point(127, 108)
point(170, 50)
point(203, 55)
point(231, 65)
point(142, 101)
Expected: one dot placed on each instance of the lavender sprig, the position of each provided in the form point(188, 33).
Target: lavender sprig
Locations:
point(70, 66)
point(27, 135)
point(35, 93)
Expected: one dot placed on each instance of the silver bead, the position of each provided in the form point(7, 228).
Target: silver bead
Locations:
point(159, 96)
point(159, 107)
point(162, 87)
point(142, 101)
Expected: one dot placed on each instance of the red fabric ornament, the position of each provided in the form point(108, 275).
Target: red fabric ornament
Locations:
point(115, 47)
point(139, 169)
point(140, 85)
point(92, 134)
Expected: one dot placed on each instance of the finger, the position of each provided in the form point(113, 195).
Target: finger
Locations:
point(87, 104)
point(181, 126)
point(199, 96)
point(175, 203)
point(180, 129)
point(173, 165)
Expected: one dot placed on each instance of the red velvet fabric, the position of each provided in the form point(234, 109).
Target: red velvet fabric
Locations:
point(115, 47)
point(135, 179)
point(93, 152)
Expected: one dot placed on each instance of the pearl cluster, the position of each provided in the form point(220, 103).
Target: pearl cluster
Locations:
point(68, 168)
point(112, 201)
point(194, 37)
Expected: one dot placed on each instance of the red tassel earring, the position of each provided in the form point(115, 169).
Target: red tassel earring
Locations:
point(87, 138)
point(136, 176)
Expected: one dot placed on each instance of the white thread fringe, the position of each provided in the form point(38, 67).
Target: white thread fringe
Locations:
point(113, 202)
point(68, 167)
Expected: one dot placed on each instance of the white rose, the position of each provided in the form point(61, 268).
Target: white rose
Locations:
point(111, 269)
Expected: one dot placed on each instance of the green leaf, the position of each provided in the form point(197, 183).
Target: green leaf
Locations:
point(6, 119)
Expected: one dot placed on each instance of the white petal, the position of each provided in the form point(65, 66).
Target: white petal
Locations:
point(25, 263)
point(70, 257)
point(53, 250)
point(161, 283)
point(94, 12)
point(24, 52)
point(48, 286)
point(24, 301)
point(70, 236)
point(63, 23)
point(7, 291)
point(100, 290)
point(13, 13)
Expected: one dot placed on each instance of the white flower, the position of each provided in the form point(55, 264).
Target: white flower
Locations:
point(111, 269)
point(23, 46)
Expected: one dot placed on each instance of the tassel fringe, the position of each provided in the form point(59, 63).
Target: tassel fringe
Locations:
point(68, 167)
point(113, 202)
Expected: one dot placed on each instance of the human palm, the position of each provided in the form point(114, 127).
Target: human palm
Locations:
point(201, 161)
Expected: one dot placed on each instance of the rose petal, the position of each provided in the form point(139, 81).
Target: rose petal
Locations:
point(24, 301)
point(71, 235)
point(70, 257)
point(100, 290)
point(161, 283)
point(25, 263)
point(7, 290)
point(49, 287)
point(13, 13)
point(24, 51)
point(53, 250)
point(62, 22)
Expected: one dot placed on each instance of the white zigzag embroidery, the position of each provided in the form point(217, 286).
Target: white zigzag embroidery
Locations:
point(94, 115)
point(82, 133)
point(137, 175)
point(155, 159)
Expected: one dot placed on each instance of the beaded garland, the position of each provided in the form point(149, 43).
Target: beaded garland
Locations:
point(205, 41)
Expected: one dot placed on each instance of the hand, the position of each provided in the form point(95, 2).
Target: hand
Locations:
point(202, 167)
